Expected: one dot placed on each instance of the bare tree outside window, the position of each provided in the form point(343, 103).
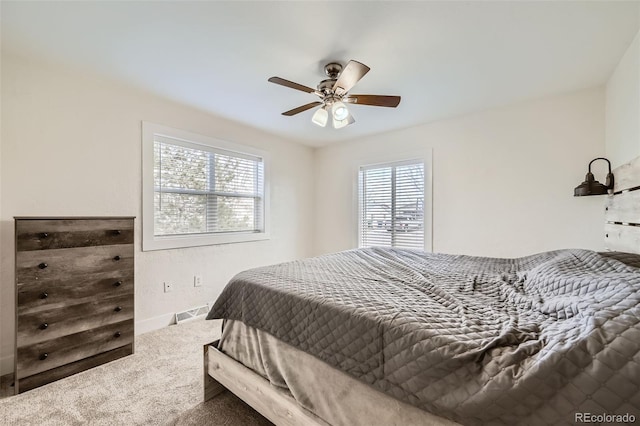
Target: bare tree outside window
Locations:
point(203, 191)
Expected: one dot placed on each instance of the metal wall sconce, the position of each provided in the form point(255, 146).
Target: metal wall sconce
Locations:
point(591, 186)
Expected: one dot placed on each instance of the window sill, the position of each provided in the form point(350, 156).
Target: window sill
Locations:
point(182, 241)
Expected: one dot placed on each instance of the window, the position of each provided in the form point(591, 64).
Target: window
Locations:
point(200, 191)
point(392, 205)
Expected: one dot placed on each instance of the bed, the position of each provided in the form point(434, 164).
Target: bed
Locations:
point(388, 336)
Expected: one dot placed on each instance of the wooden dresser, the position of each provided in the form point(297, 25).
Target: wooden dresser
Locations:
point(74, 295)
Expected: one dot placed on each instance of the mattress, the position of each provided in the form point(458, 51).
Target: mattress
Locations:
point(532, 340)
point(330, 394)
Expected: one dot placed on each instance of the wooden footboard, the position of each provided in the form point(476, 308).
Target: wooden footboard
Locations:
point(212, 387)
point(223, 372)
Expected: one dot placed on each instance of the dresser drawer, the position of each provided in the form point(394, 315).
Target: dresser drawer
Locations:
point(43, 234)
point(60, 264)
point(47, 355)
point(46, 325)
point(48, 376)
point(37, 296)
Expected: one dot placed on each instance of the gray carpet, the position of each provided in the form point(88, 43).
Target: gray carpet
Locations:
point(161, 384)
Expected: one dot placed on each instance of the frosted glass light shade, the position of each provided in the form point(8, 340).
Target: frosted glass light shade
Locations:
point(339, 124)
point(320, 117)
point(339, 111)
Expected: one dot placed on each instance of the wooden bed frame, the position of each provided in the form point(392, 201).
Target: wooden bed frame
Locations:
point(221, 372)
point(273, 403)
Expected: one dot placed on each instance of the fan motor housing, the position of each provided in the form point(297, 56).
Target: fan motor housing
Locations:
point(333, 70)
point(326, 86)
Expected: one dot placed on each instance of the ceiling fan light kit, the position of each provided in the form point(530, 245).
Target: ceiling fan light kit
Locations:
point(321, 117)
point(339, 111)
point(334, 93)
point(339, 124)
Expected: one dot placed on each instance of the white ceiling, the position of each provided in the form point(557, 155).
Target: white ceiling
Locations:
point(444, 58)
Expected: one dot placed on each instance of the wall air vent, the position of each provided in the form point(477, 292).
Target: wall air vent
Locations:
point(192, 314)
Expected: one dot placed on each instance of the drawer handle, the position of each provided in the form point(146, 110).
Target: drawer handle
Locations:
point(44, 295)
point(117, 284)
point(42, 265)
point(116, 258)
point(117, 334)
point(44, 235)
point(44, 356)
point(44, 326)
point(118, 308)
point(116, 232)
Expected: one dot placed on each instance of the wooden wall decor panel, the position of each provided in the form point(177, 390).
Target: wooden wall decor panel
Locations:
point(74, 295)
point(627, 176)
point(622, 238)
point(623, 208)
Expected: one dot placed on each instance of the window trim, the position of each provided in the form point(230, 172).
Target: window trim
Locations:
point(424, 156)
point(150, 241)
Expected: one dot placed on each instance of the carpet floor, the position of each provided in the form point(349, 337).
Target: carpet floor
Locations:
point(160, 384)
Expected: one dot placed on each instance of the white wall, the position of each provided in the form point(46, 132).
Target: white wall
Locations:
point(623, 108)
point(503, 179)
point(71, 145)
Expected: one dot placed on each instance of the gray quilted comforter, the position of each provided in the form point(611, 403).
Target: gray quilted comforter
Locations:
point(532, 340)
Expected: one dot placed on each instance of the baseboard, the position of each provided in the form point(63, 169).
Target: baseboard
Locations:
point(155, 323)
point(6, 365)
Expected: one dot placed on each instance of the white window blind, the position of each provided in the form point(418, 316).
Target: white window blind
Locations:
point(391, 202)
point(200, 189)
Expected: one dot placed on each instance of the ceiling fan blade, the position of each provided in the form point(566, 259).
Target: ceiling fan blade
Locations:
point(301, 108)
point(291, 84)
point(373, 100)
point(349, 76)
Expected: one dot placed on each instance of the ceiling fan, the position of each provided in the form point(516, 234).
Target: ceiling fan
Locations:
point(334, 94)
